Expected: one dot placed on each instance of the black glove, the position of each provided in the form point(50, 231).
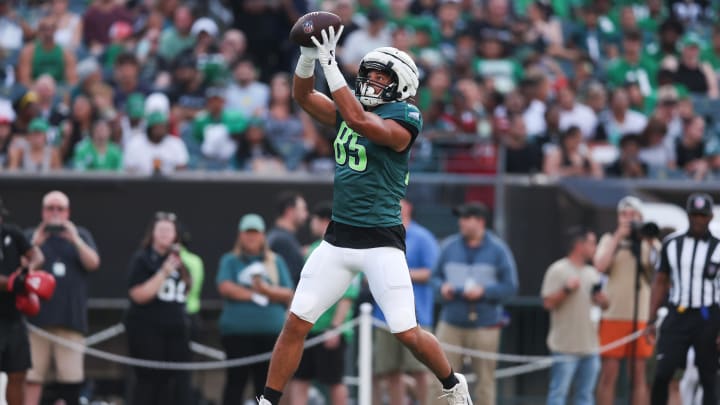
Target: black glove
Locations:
point(16, 281)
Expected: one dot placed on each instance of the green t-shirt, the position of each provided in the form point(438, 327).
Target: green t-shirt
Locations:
point(710, 56)
point(172, 43)
point(87, 157)
point(370, 179)
point(645, 73)
point(233, 121)
point(195, 267)
point(247, 317)
point(325, 321)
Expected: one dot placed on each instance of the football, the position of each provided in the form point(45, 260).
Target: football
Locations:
point(312, 24)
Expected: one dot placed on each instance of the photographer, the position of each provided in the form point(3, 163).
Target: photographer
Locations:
point(626, 257)
point(70, 255)
point(157, 325)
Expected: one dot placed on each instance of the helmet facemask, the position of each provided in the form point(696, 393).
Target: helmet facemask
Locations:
point(391, 61)
point(366, 88)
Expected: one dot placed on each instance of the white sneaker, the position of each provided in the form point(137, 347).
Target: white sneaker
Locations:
point(459, 394)
point(263, 401)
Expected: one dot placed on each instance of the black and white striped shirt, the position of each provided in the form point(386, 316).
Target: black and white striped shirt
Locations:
point(693, 265)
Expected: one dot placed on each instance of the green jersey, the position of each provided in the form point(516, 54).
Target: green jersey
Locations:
point(87, 157)
point(370, 179)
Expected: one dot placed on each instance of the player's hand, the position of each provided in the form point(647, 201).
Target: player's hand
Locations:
point(309, 52)
point(326, 49)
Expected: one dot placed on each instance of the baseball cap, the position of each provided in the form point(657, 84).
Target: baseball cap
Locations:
point(699, 203)
point(135, 105)
point(471, 209)
point(204, 24)
point(630, 203)
point(690, 39)
point(251, 222)
point(157, 102)
point(156, 117)
point(38, 125)
point(86, 67)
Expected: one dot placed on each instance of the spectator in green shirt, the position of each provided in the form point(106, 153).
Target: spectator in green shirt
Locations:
point(632, 67)
point(211, 130)
point(178, 37)
point(97, 152)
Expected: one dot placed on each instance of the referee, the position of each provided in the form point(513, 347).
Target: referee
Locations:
point(688, 269)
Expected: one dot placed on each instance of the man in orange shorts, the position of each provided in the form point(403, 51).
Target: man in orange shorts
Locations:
point(628, 290)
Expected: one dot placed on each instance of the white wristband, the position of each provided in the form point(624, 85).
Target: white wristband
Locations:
point(305, 67)
point(334, 77)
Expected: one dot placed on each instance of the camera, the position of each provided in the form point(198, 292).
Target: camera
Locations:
point(644, 230)
point(54, 228)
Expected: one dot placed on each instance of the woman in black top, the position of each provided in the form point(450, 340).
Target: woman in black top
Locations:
point(157, 325)
point(698, 76)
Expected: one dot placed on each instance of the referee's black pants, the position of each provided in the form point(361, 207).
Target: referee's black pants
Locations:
point(678, 332)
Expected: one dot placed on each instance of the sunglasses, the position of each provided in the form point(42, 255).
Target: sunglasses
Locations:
point(165, 216)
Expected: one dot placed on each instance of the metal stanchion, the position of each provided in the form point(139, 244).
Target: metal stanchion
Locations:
point(365, 355)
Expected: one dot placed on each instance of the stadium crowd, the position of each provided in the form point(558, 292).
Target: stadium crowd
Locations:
point(566, 87)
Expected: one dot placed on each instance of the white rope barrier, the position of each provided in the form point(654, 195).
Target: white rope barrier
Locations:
point(532, 362)
point(165, 365)
point(517, 358)
point(105, 334)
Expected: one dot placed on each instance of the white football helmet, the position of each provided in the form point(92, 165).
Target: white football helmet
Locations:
point(399, 65)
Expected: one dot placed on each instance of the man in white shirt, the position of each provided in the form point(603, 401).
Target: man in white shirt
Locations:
point(157, 152)
point(576, 114)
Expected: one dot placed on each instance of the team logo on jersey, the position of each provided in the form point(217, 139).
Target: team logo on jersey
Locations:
point(414, 115)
